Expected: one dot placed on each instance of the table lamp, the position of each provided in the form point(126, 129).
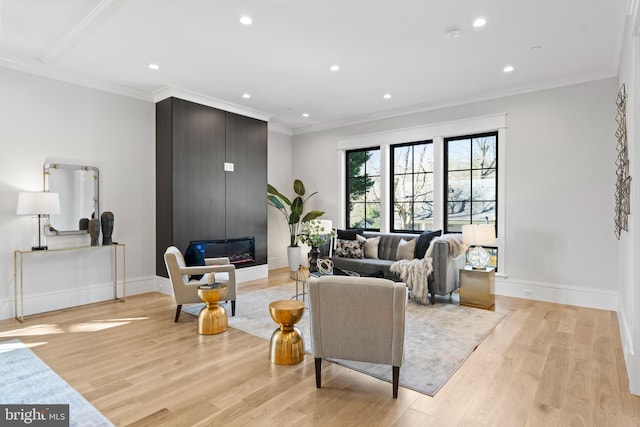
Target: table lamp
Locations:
point(476, 236)
point(40, 205)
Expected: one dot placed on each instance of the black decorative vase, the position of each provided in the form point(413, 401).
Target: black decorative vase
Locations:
point(94, 231)
point(314, 253)
point(107, 227)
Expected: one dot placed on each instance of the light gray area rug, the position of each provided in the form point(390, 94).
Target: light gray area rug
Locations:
point(439, 337)
point(26, 379)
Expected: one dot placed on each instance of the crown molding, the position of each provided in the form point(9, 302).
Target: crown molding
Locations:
point(457, 101)
point(279, 128)
point(37, 68)
point(168, 92)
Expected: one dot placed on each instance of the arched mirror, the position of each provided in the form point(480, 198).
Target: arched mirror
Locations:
point(77, 187)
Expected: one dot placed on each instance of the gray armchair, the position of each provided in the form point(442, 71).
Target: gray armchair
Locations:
point(357, 318)
point(185, 291)
point(448, 258)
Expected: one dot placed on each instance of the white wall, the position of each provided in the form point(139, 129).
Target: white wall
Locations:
point(628, 268)
point(560, 177)
point(279, 166)
point(46, 120)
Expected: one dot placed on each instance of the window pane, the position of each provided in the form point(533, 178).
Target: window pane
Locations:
point(402, 160)
point(372, 219)
point(423, 212)
point(402, 216)
point(484, 184)
point(356, 215)
point(403, 190)
point(357, 189)
point(459, 186)
point(484, 212)
point(373, 190)
point(423, 158)
point(373, 162)
point(459, 154)
point(484, 152)
point(423, 187)
point(356, 161)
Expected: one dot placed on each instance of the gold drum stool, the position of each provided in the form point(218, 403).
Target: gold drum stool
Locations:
point(212, 318)
point(287, 344)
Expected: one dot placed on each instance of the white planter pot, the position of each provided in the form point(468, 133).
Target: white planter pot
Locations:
point(293, 255)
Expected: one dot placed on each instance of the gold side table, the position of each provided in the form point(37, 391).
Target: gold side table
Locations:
point(212, 319)
point(477, 287)
point(287, 343)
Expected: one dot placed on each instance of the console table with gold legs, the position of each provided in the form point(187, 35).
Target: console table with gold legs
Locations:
point(18, 256)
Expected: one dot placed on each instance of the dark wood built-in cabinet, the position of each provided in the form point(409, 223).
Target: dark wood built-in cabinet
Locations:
point(196, 199)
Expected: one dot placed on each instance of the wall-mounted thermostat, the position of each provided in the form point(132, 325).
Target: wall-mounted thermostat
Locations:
point(228, 167)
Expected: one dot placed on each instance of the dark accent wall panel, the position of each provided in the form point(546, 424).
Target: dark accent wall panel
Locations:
point(195, 198)
point(246, 187)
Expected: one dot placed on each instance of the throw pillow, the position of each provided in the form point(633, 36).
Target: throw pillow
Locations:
point(194, 258)
point(371, 247)
point(424, 240)
point(349, 248)
point(406, 250)
point(349, 234)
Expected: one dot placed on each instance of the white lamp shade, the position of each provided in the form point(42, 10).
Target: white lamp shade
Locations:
point(325, 225)
point(38, 203)
point(479, 234)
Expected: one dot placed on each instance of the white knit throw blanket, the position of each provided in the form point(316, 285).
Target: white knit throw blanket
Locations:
point(415, 272)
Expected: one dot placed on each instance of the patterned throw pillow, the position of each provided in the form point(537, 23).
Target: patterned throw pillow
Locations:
point(349, 248)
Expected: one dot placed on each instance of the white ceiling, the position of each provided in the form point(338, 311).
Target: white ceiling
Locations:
point(382, 46)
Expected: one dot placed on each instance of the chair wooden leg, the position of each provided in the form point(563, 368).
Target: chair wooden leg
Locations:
point(396, 378)
point(318, 372)
point(178, 312)
point(233, 308)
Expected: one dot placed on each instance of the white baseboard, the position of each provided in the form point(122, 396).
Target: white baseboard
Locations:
point(561, 294)
point(73, 297)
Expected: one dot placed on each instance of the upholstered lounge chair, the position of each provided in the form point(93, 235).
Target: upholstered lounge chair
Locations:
point(357, 318)
point(185, 290)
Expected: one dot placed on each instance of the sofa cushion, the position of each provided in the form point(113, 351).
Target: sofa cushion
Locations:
point(423, 242)
point(349, 234)
point(371, 247)
point(406, 249)
point(349, 248)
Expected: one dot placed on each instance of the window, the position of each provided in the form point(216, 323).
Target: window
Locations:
point(412, 191)
point(363, 188)
point(471, 180)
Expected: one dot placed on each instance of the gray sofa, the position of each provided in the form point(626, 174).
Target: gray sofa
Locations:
point(444, 279)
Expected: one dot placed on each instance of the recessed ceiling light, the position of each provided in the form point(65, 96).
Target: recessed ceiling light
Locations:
point(480, 22)
point(246, 20)
point(305, 114)
point(387, 96)
point(154, 66)
point(335, 68)
point(453, 33)
point(508, 69)
point(246, 95)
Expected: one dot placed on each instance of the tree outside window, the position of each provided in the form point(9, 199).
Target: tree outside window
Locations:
point(363, 188)
point(471, 180)
point(413, 169)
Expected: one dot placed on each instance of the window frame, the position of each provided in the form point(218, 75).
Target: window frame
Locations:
point(392, 176)
point(445, 171)
point(347, 186)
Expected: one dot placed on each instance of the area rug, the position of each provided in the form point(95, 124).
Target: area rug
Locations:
point(439, 337)
point(27, 380)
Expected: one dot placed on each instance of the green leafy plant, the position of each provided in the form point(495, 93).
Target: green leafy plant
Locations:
point(293, 211)
point(311, 234)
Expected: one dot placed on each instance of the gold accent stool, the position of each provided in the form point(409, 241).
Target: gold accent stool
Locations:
point(287, 343)
point(212, 318)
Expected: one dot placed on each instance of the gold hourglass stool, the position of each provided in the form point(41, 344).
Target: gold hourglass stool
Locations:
point(212, 318)
point(287, 344)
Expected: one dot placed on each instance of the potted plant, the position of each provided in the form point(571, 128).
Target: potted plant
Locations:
point(293, 212)
point(314, 234)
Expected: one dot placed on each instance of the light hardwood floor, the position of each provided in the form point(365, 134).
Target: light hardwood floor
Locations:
point(544, 365)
